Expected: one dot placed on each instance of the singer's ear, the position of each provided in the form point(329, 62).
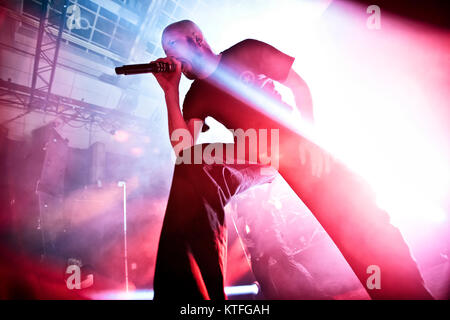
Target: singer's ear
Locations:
point(198, 39)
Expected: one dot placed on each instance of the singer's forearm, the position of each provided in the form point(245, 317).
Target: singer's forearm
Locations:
point(302, 95)
point(175, 118)
point(303, 101)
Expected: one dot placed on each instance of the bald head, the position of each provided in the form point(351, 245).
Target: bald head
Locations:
point(184, 41)
point(186, 27)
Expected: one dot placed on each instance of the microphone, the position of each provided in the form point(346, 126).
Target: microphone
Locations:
point(152, 67)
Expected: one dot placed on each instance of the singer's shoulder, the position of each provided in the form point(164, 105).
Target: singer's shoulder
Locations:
point(247, 44)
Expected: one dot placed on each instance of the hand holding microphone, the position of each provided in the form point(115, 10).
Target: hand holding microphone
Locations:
point(152, 67)
point(167, 72)
point(169, 80)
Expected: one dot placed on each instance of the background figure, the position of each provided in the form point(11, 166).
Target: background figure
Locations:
point(272, 260)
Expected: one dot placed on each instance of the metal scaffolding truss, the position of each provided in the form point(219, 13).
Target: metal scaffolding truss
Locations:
point(68, 110)
point(53, 13)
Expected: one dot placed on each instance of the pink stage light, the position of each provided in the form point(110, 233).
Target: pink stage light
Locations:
point(379, 98)
point(121, 136)
point(251, 289)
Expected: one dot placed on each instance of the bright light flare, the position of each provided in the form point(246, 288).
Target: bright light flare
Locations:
point(251, 289)
point(374, 106)
point(377, 94)
point(377, 112)
point(121, 136)
point(137, 151)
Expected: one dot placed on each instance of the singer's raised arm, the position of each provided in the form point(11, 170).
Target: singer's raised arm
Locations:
point(181, 133)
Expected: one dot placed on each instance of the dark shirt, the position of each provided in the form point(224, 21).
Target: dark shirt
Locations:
point(226, 95)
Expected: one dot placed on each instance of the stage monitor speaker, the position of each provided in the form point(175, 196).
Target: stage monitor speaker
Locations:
point(49, 156)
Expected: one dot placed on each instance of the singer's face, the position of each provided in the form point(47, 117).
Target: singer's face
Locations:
point(182, 47)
